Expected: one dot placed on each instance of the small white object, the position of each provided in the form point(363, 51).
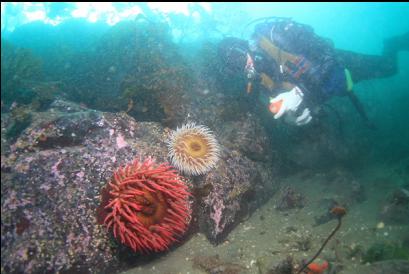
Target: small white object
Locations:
point(380, 225)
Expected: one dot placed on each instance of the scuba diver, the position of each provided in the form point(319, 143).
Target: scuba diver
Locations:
point(300, 70)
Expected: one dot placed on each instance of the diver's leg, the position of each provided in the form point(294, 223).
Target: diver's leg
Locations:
point(393, 45)
point(364, 66)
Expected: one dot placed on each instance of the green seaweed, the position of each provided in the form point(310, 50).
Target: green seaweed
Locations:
point(385, 251)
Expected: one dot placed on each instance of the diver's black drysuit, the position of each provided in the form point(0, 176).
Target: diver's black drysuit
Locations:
point(300, 39)
point(313, 63)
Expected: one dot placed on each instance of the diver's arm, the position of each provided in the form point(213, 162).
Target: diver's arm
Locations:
point(287, 86)
point(271, 85)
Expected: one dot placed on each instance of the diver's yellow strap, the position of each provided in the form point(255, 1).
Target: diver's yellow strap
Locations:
point(275, 52)
point(348, 77)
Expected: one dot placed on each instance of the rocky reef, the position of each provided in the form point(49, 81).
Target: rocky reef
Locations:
point(53, 172)
point(116, 101)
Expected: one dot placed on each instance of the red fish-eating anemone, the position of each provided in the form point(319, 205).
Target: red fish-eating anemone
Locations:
point(146, 205)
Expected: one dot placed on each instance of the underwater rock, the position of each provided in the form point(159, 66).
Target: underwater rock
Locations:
point(290, 199)
point(319, 147)
point(286, 266)
point(135, 68)
point(51, 181)
point(326, 205)
point(248, 136)
point(244, 177)
point(18, 66)
point(396, 208)
point(52, 176)
point(235, 189)
point(7, 122)
point(21, 118)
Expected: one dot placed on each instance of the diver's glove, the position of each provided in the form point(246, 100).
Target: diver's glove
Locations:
point(303, 119)
point(288, 103)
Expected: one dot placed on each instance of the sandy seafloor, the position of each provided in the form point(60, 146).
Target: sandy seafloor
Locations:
point(268, 236)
